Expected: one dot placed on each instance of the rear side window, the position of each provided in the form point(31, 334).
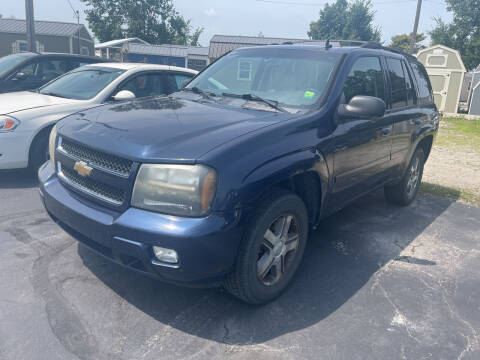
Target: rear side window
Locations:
point(423, 82)
point(410, 88)
point(365, 78)
point(398, 84)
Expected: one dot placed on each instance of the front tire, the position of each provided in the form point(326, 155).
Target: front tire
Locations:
point(272, 249)
point(405, 192)
point(38, 154)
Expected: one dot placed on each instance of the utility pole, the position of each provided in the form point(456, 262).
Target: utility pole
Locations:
point(415, 27)
point(30, 26)
point(78, 22)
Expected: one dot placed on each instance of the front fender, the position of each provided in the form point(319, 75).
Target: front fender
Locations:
point(283, 170)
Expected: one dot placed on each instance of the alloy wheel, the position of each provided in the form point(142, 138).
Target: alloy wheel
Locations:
point(412, 182)
point(278, 249)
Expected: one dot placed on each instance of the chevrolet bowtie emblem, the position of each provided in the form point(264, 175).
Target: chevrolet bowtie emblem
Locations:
point(82, 168)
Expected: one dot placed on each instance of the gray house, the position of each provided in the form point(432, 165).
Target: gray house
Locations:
point(50, 36)
point(192, 57)
point(221, 44)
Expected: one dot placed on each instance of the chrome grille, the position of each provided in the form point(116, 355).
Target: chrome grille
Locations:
point(97, 159)
point(92, 187)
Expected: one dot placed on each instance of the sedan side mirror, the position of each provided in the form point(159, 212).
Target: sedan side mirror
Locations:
point(124, 95)
point(19, 76)
point(363, 107)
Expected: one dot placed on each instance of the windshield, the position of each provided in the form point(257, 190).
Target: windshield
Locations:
point(293, 78)
point(10, 61)
point(81, 84)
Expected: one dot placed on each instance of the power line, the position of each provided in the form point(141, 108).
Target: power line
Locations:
point(69, 3)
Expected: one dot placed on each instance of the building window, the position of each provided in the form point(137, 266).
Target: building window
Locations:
point(244, 70)
point(197, 64)
point(84, 50)
point(21, 46)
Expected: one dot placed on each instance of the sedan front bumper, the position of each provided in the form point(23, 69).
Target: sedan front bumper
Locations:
point(207, 247)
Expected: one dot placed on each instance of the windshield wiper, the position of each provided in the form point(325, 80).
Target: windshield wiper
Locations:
point(252, 97)
point(55, 94)
point(199, 91)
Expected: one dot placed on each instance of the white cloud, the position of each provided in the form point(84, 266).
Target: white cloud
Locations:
point(210, 12)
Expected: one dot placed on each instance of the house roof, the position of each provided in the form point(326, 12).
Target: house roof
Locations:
point(221, 44)
point(120, 42)
point(41, 27)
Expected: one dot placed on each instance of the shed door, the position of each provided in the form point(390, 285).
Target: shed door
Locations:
point(440, 81)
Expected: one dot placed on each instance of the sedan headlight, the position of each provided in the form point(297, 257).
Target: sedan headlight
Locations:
point(183, 190)
point(8, 123)
point(52, 144)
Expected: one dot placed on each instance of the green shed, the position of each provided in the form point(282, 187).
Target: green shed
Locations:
point(446, 71)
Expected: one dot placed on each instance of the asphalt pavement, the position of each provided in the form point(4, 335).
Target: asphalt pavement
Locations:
point(378, 282)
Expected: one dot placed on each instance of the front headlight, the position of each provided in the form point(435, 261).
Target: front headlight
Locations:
point(183, 190)
point(8, 123)
point(52, 144)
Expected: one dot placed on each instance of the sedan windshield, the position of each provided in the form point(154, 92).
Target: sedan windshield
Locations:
point(9, 62)
point(289, 78)
point(81, 84)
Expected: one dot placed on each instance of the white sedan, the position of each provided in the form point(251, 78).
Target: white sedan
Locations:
point(27, 117)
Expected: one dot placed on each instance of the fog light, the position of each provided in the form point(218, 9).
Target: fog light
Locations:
point(166, 255)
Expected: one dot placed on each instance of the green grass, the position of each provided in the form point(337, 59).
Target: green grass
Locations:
point(459, 134)
point(451, 193)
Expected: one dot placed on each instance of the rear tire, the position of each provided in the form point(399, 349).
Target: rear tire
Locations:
point(39, 151)
point(405, 192)
point(272, 249)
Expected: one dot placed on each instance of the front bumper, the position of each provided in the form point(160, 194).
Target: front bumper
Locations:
point(207, 247)
point(14, 149)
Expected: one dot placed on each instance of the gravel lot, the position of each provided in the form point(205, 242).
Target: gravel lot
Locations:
point(453, 168)
point(378, 282)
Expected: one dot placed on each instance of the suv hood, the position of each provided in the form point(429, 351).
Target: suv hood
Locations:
point(163, 129)
point(26, 100)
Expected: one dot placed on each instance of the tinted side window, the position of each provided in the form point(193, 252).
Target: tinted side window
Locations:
point(29, 70)
point(397, 80)
point(145, 85)
point(365, 78)
point(52, 69)
point(180, 79)
point(423, 82)
point(410, 87)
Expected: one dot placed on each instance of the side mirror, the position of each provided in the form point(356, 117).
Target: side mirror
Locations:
point(19, 76)
point(363, 107)
point(124, 95)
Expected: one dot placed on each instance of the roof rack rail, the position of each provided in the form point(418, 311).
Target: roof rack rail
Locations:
point(396, 50)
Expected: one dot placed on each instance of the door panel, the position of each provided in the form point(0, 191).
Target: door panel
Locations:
point(362, 147)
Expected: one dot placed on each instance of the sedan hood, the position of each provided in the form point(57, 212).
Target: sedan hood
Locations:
point(26, 100)
point(164, 129)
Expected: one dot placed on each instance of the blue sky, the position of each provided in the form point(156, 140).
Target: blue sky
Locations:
point(282, 18)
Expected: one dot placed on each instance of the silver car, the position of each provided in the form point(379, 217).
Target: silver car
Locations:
point(26, 118)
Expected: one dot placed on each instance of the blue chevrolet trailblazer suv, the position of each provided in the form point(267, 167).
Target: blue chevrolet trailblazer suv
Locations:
point(219, 184)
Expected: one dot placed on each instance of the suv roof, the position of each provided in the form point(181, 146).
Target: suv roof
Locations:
point(322, 45)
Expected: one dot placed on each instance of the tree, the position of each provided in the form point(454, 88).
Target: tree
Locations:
point(343, 20)
point(403, 41)
point(463, 33)
point(155, 21)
